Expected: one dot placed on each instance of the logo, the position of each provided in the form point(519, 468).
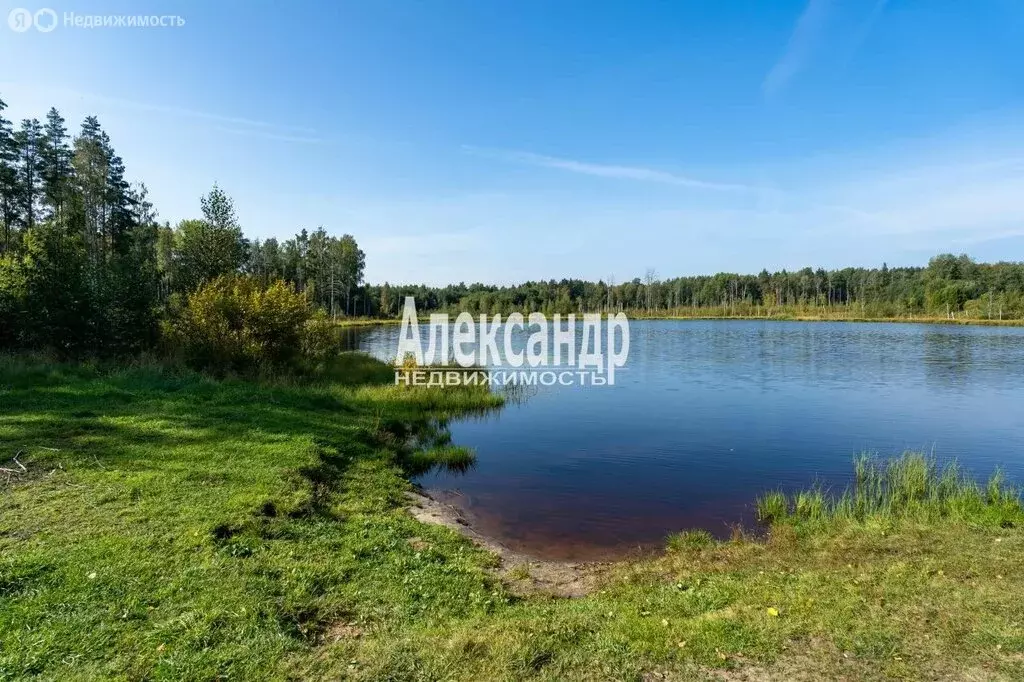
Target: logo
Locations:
point(45, 20)
point(21, 20)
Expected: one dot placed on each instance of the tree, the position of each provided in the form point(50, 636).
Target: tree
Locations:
point(319, 268)
point(294, 259)
point(56, 169)
point(10, 204)
point(272, 265)
point(131, 309)
point(29, 143)
point(351, 261)
point(219, 211)
point(89, 161)
point(118, 199)
point(650, 277)
point(208, 248)
point(165, 259)
point(57, 296)
point(386, 301)
point(202, 253)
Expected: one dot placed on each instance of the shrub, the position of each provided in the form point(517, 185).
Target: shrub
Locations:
point(237, 324)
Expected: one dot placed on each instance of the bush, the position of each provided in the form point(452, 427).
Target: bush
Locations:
point(235, 324)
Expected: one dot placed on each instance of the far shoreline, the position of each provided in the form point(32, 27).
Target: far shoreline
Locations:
point(959, 322)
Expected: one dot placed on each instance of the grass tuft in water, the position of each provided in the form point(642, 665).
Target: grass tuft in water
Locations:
point(689, 539)
point(454, 458)
point(772, 507)
point(912, 486)
point(809, 505)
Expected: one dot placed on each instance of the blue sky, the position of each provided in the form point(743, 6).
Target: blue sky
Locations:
point(465, 140)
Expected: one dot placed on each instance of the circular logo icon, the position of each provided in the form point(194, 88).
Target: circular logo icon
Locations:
point(20, 19)
point(45, 20)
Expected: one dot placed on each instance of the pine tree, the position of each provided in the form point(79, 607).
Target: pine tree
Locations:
point(29, 140)
point(10, 203)
point(90, 171)
point(135, 276)
point(56, 164)
point(61, 313)
point(118, 200)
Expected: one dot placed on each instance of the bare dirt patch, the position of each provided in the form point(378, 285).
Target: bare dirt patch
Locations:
point(342, 630)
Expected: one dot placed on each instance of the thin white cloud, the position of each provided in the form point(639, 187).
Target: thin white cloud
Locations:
point(65, 94)
point(604, 170)
point(928, 193)
point(802, 43)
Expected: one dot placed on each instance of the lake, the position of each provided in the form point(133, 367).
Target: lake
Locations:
point(707, 415)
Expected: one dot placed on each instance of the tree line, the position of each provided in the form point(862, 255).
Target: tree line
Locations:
point(950, 286)
point(85, 267)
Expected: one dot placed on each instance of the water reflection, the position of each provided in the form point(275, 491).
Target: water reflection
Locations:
point(707, 415)
point(948, 359)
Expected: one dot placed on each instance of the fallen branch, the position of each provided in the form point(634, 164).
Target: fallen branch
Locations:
point(19, 472)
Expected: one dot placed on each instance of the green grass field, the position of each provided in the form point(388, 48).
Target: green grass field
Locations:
point(157, 524)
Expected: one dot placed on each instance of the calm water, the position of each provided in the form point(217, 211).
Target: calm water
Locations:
point(708, 415)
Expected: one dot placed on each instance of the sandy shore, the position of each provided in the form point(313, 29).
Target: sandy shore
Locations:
point(523, 574)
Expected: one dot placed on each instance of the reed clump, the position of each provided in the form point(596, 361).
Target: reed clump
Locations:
point(913, 486)
point(452, 458)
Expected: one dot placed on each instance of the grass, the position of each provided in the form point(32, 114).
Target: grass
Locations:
point(170, 526)
point(690, 539)
point(812, 313)
point(786, 313)
point(913, 486)
point(449, 457)
point(772, 506)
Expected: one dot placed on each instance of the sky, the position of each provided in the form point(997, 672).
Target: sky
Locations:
point(500, 141)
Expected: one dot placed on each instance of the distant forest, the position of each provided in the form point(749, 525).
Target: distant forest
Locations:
point(950, 286)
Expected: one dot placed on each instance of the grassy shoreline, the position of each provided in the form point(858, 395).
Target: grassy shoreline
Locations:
point(841, 318)
point(775, 317)
point(171, 526)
